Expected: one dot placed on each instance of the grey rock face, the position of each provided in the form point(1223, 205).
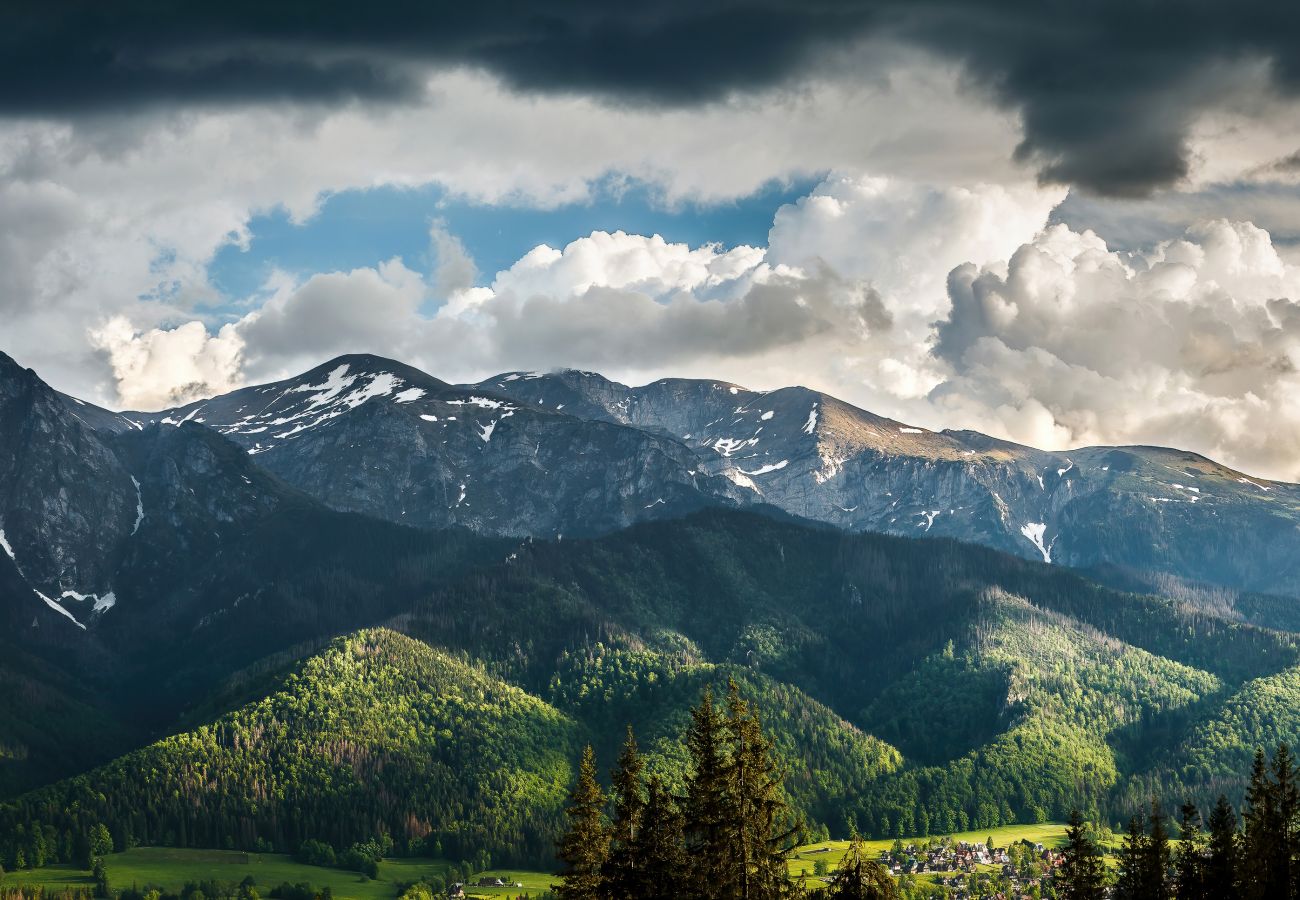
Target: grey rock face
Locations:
point(66, 501)
point(90, 499)
point(1142, 508)
point(369, 435)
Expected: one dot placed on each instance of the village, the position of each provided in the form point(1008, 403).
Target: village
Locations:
point(975, 870)
point(958, 869)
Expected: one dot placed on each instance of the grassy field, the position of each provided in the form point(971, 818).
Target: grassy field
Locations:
point(534, 884)
point(171, 868)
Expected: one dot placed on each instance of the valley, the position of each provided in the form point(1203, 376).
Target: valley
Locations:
point(171, 869)
point(287, 657)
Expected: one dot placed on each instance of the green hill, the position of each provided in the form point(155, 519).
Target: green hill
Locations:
point(912, 687)
point(378, 733)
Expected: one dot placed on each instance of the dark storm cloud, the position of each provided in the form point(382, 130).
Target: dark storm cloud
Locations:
point(1106, 89)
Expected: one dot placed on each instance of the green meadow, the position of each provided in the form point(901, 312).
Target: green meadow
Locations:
point(172, 868)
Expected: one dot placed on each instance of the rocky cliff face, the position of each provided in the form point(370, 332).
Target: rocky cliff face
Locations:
point(92, 502)
point(1142, 508)
point(370, 435)
point(67, 502)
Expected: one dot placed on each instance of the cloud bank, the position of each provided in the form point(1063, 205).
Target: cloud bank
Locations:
point(1107, 92)
point(964, 312)
point(1192, 344)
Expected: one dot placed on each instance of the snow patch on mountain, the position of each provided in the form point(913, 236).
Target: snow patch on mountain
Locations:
point(485, 402)
point(139, 506)
point(771, 467)
point(1035, 531)
point(327, 390)
point(728, 446)
point(811, 425)
point(59, 609)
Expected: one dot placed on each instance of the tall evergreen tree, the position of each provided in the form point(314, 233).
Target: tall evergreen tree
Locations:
point(1262, 878)
point(708, 842)
point(1132, 861)
point(762, 828)
point(1082, 875)
point(859, 878)
point(585, 846)
point(623, 866)
point(1286, 803)
point(659, 846)
point(1158, 860)
point(1221, 861)
point(1189, 864)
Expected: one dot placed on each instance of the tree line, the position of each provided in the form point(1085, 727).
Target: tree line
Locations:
point(727, 836)
point(1254, 856)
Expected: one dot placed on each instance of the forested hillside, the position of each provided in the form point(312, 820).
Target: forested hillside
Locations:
point(377, 734)
point(911, 687)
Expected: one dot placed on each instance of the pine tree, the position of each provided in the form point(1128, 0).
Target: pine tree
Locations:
point(859, 878)
point(1082, 875)
point(585, 846)
point(1286, 803)
point(1221, 863)
point(1132, 862)
point(622, 868)
point(708, 844)
point(659, 846)
point(762, 828)
point(1157, 860)
point(1261, 840)
point(81, 855)
point(1190, 860)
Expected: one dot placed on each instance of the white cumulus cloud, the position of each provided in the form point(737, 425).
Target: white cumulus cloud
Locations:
point(158, 367)
point(1193, 344)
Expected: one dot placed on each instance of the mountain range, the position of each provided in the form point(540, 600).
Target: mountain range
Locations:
point(549, 455)
point(363, 598)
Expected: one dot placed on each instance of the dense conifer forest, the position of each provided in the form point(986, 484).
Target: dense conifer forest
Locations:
point(908, 687)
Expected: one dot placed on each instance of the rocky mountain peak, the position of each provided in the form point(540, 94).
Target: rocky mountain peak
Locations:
point(572, 453)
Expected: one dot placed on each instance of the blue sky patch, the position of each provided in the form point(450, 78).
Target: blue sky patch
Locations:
point(361, 228)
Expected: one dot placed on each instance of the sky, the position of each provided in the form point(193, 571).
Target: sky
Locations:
point(1060, 224)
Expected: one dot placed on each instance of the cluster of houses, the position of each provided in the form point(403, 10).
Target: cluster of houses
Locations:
point(946, 857)
point(457, 890)
point(953, 864)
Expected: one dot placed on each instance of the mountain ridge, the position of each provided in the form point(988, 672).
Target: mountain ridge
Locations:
point(535, 454)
